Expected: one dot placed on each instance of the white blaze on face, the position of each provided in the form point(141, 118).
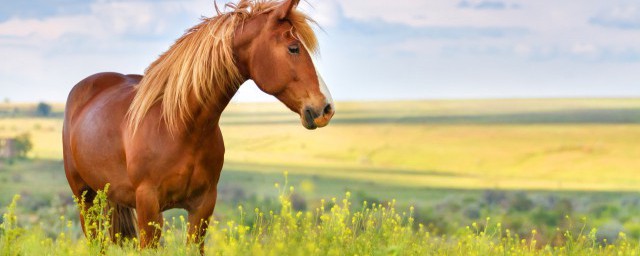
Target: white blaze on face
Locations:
point(324, 90)
point(323, 86)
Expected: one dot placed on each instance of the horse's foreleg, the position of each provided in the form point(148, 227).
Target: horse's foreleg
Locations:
point(199, 220)
point(149, 216)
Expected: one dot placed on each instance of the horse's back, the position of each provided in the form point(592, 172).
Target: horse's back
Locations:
point(91, 86)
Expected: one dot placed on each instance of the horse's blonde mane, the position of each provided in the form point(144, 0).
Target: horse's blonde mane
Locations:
point(200, 66)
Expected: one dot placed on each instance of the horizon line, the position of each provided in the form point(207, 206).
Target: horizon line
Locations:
point(635, 97)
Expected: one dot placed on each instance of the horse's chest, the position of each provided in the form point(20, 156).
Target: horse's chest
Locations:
point(187, 171)
point(191, 182)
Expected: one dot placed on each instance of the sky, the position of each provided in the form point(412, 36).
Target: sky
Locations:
point(370, 49)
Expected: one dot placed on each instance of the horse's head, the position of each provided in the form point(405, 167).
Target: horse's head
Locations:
point(278, 59)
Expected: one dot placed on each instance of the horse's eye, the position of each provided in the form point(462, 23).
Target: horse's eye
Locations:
point(294, 49)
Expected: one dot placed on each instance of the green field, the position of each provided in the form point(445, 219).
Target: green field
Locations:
point(529, 164)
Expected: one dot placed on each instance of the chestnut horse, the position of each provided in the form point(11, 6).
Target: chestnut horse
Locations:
point(156, 138)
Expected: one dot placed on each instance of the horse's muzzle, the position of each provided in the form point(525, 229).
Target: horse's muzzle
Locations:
point(317, 118)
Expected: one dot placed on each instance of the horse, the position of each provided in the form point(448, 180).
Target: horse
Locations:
point(156, 140)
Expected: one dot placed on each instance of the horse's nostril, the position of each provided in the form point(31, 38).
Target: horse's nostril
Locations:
point(309, 114)
point(308, 119)
point(327, 109)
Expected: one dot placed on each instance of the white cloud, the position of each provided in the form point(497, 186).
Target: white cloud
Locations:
point(325, 12)
point(621, 16)
point(523, 50)
point(487, 5)
point(584, 49)
point(48, 55)
point(555, 29)
point(50, 29)
point(545, 16)
point(445, 13)
point(106, 19)
point(400, 11)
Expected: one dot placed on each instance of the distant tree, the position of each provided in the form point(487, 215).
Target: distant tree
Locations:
point(43, 109)
point(23, 145)
point(7, 100)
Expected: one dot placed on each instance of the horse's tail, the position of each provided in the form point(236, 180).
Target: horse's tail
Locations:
point(123, 222)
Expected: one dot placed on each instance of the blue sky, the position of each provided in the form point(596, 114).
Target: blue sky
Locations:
point(370, 49)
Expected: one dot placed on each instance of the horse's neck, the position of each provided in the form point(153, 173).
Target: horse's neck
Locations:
point(208, 116)
point(243, 36)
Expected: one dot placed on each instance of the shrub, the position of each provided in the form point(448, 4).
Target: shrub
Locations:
point(43, 109)
point(23, 145)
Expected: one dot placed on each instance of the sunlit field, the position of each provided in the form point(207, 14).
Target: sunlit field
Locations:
point(562, 173)
point(499, 144)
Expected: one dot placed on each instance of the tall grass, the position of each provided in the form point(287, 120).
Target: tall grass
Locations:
point(335, 227)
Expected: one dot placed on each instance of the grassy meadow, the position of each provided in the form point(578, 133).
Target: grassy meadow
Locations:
point(561, 167)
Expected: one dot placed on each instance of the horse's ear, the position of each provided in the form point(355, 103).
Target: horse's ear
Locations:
point(285, 8)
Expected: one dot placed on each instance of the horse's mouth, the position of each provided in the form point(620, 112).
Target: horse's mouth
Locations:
point(308, 120)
